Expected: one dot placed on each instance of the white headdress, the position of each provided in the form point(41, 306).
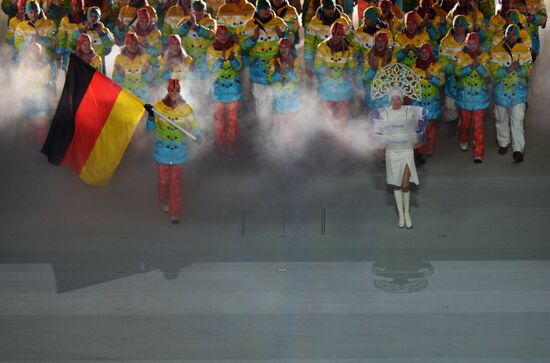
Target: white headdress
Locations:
point(396, 75)
point(395, 91)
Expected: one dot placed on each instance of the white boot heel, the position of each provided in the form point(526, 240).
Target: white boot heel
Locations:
point(406, 209)
point(398, 194)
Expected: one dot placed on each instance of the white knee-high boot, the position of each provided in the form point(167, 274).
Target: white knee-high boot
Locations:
point(398, 194)
point(406, 209)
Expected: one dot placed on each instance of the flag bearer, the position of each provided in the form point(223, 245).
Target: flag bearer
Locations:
point(170, 150)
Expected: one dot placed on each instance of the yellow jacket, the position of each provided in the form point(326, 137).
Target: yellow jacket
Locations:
point(510, 88)
point(97, 62)
point(173, 16)
point(363, 41)
point(171, 144)
point(129, 73)
point(401, 41)
point(290, 15)
point(12, 25)
point(64, 35)
point(179, 71)
point(448, 49)
point(331, 69)
point(151, 43)
point(129, 13)
point(43, 32)
point(234, 16)
point(317, 32)
point(214, 5)
point(469, 17)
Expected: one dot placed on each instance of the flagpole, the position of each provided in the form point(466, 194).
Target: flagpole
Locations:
point(161, 116)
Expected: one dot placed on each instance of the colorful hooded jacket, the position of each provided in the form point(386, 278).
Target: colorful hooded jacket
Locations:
point(97, 63)
point(258, 54)
point(498, 22)
point(54, 10)
point(290, 15)
point(128, 16)
point(448, 50)
point(363, 41)
point(131, 76)
point(536, 8)
point(480, 22)
point(196, 44)
point(10, 33)
point(472, 84)
point(108, 9)
point(329, 68)
point(173, 17)
point(454, 11)
point(102, 43)
point(318, 31)
point(497, 37)
point(401, 41)
point(286, 87)
point(153, 39)
point(66, 29)
point(395, 25)
point(487, 8)
point(213, 6)
point(235, 16)
point(431, 96)
point(171, 144)
point(180, 71)
point(226, 74)
point(436, 30)
point(442, 27)
point(310, 7)
point(510, 88)
point(26, 32)
point(498, 25)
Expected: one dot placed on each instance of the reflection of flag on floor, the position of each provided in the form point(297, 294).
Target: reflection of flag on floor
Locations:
point(93, 124)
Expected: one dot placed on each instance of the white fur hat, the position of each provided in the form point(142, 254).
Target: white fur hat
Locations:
point(395, 91)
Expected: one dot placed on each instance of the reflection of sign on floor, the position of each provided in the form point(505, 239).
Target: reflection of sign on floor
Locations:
point(297, 223)
point(402, 275)
point(283, 222)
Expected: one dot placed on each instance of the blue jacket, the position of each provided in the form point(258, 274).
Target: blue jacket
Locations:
point(510, 88)
point(286, 87)
point(171, 144)
point(226, 74)
point(258, 53)
point(431, 95)
point(329, 68)
point(472, 88)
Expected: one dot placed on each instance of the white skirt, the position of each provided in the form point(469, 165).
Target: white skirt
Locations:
point(396, 160)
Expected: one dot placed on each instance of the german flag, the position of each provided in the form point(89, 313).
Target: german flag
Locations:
point(93, 124)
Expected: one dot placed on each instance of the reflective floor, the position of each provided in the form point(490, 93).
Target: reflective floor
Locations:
point(278, 261)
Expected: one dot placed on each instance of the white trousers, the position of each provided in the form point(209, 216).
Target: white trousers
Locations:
point(509, 122)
